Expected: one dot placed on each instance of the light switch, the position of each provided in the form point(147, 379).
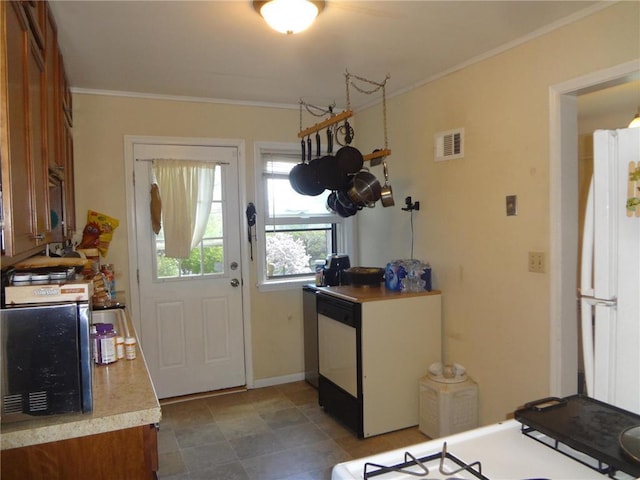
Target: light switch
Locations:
point(512, 205)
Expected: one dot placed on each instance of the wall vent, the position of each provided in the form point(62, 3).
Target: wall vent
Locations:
point(449, 145)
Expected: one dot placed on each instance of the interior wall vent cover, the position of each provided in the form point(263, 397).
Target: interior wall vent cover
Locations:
point(449, 145)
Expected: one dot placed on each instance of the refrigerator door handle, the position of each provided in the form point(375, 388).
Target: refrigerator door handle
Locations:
point(605, 302)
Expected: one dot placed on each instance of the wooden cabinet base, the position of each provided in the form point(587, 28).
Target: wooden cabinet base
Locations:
point(130, 454)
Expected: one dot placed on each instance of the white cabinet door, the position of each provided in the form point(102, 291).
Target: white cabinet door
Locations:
point(400, 339)
point(337, 353)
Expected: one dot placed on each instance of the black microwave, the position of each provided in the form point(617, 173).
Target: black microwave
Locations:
point(45, 360)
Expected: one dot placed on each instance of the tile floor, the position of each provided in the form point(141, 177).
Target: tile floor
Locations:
point(272, 433)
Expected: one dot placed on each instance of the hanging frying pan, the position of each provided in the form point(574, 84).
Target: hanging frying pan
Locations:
point(329, 175)
point(303, 179)
point(350, 160)
point(295, 172)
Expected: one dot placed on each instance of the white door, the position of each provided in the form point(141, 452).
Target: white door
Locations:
point(191, 310)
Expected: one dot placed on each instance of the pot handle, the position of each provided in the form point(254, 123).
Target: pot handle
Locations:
point(317, 144)
point(386, 172)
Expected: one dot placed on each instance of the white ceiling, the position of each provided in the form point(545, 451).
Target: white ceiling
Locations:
point(223, 50)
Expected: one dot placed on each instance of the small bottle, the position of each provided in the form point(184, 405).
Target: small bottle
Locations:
point(320, 272)
point(94, 348)
point(119, 347)
point(130, 348)
point(105, 344)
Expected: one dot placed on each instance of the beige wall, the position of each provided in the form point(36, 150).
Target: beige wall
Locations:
point(100, 124)
point(495, 313)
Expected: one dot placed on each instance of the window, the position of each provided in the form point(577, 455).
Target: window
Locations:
point(294, 232)
point(206, 258)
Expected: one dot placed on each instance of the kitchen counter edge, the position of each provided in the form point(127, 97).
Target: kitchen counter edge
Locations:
point(370, 294)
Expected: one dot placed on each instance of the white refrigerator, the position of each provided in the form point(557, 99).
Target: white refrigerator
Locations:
point(610, 271)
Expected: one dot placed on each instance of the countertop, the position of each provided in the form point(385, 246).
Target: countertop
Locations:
point(370, 293)
point(123, 397)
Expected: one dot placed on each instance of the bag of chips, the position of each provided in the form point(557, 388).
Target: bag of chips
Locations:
point(98, 232)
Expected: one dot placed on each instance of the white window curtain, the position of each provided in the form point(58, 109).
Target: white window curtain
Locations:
point(186, 189)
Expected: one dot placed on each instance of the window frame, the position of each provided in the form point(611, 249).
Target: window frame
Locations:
point(346, 227)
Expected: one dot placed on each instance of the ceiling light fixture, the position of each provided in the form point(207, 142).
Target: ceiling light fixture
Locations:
point(635, 123)
point(289, 16)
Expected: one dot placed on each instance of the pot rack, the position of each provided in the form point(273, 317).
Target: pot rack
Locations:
point(348, 113)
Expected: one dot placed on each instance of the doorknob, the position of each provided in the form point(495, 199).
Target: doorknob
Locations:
point(235, 282)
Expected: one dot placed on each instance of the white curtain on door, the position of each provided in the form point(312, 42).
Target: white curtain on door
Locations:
point(186, 189)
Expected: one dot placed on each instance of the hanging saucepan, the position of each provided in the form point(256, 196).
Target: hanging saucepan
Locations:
point(386, 193)
point(350, 160)
point(365, 189)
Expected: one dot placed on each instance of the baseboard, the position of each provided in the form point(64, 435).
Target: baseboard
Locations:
point(269, 382)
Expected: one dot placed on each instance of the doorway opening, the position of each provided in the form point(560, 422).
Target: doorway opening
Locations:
point(564, 215)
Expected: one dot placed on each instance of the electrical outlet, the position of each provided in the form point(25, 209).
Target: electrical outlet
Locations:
point(537, 262)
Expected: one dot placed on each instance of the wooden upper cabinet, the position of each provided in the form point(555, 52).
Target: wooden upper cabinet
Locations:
point(36, 151)
point(36, 11)
point(37, 144)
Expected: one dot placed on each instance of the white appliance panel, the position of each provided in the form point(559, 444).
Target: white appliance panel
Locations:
point(337, 354)
point(610, 276)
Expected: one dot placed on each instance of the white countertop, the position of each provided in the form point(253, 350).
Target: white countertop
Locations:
point(123, 397)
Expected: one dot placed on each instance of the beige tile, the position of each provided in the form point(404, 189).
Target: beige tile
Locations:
point(278, 433)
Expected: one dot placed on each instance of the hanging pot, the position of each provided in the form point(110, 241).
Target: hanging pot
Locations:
point(386, 193)
point(340, 210)
point(347, 204)
point(365, 189)
point(350, 160)
point(332, 199)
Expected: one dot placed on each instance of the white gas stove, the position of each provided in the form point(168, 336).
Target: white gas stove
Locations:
point(496, 452)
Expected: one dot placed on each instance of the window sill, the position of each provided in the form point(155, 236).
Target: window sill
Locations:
point(277, 285)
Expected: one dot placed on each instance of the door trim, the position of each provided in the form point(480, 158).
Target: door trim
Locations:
point(563, 335)
point(134, 291)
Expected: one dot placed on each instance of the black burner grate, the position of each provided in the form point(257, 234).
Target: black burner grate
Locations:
point(417, 466)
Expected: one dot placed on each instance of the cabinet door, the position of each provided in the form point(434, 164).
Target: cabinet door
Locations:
point(15, 172)
point(41, 225)
point(69, 185)
point(24, 171)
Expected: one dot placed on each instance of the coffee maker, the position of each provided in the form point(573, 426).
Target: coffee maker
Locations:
point(334, 269)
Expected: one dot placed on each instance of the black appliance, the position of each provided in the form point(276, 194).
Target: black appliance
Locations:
point(334, 270)
point(45, 354)
point(584, 425)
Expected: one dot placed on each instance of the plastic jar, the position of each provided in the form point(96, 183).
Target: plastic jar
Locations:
point(130, 348)
point(105, 352)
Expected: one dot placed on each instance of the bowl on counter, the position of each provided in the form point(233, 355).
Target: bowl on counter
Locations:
point(365, 276)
